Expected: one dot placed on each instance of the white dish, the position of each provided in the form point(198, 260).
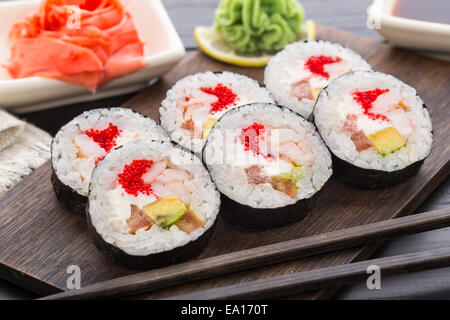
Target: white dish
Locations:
point(408, 33)
point(163, 50)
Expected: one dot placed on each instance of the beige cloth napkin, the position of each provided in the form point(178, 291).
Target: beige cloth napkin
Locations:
point(23, 148)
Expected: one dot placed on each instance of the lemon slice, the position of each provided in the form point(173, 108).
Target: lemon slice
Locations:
point(211, 42)
point(311, 30)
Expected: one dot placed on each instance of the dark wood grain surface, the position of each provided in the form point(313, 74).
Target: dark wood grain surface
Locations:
point(261, 256)
point(322, 278)
point(41, 239)
point(349, 15)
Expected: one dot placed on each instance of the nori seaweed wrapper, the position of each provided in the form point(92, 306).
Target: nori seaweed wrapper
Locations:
point(68, 197)
point(248, 218)
point(254, 219)
point(156, 260)
point(152, 261)
point(368, 178)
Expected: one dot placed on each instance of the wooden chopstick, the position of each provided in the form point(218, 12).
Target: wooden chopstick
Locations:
point(337, 276)
point(259, 257)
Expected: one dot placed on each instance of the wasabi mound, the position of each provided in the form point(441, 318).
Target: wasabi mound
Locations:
point(251, 26)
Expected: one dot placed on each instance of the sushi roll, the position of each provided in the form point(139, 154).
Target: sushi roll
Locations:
point(84, 141)
point(377, 128)
point(151, 204)
point(196, 102)
point(296, 75)
point(268, 162)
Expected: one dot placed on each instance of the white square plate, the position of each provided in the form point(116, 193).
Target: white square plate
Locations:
point(163, 49)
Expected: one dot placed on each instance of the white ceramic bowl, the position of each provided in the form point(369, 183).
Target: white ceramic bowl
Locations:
point(408, 33)
point(163, 49)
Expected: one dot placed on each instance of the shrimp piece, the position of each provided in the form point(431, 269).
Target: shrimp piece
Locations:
point(293, 153)
point(287, 135)
point(173, 175)
point(190, 109)
point(401, 121)
point(172, 190)
point(181, 192)
point(302, 90)
point(154, 171)
point(86, 147)
point(195, 116)
point(170, 183)
point(84, 167)
point(160, 189)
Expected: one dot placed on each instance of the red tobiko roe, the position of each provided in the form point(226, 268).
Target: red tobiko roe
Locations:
point(90, 5)
point(131, 177)
point(106, 139)
point(250, 138)
point(98, 160)
point(316, 64)
point(225, 95)
point(366, 99)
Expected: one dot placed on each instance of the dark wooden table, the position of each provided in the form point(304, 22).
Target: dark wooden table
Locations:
point(348, 15)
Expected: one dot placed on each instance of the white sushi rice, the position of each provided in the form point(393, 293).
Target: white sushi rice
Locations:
point(224, 158)
point(109, 213)
point(287, 67)
point(75, 172)
point(172, 108)
point(336, 102)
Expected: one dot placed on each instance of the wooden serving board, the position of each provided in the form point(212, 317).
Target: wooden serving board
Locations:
point(39, 239)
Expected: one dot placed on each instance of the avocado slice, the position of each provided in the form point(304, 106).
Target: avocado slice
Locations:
point(165, 212)
point(387, 140)
point(315, 93)
point(207, 126)
point(284, 183)
point(287, 182)
point(297, 173)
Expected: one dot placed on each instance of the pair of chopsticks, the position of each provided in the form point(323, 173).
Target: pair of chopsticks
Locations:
point(282, 252)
